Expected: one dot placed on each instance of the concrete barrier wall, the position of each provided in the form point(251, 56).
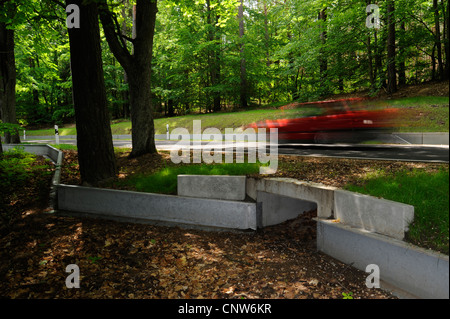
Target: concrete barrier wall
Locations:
point(212, 186)
point(439, 138)
point(419, 272)
point(322, 195)
point(373, 214)
point(33, 149)
point(156, 207)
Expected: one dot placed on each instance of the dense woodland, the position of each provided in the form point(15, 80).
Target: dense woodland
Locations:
point(145, 58)
point(212, 55)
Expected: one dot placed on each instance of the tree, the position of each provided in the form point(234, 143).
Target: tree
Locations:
point(243, 68)
point(323, 38)
point(445, 13)
point(214, 54)
point(391, 69)
point(94, 140)
point(138, 67)
point(437, 34)
point(8, 69)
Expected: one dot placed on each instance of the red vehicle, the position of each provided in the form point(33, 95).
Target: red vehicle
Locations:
point(341, 121)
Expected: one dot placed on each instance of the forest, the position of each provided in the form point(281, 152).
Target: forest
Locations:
point(94, 61)
point(211, 55)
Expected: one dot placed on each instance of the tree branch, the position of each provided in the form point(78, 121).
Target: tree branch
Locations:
point(422, 22)
point(114, 36)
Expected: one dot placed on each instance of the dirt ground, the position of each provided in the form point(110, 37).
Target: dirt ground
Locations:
point(136, 261)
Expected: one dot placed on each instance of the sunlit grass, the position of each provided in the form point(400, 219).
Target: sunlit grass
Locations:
point(422, 114)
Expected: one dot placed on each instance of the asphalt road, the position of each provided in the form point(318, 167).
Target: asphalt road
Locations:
point(396, 152)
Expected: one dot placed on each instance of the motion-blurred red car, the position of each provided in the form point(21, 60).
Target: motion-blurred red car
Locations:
point(340, 121)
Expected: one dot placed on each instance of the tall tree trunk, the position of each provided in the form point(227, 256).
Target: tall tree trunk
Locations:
point(266, 35)
point(217, 67)
point(401, 63)
point(323, 61)
point(243, 69)
point(433, 63)
point(437, 40)
point(378, 73)
point(8, 78)
point(138, 68)
point(391, 69)
point(370, 56)
point(213, 54)
point(370, 63)
point(445, 13)
point(125, 93)
point(94, 139)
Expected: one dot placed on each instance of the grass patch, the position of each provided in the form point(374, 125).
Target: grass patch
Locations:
point(427, 192)
point(421, 114)
point(64, 147)
point(165, 180)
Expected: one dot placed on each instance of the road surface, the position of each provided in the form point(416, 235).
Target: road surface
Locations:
point(397, 152)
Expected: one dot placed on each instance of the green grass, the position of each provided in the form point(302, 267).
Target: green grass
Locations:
point(434, 110)
point(423, 114)
point(165, 181)
point(64, 147)
point(63, 131)
point(427, 192)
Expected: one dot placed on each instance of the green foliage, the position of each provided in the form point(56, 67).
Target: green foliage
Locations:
point(198, 53)
point(21, 177)
point(8, 128)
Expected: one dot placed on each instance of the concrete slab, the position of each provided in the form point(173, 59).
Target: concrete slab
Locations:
point(277, 209)
point(373, 214)
point(436, 138)
point(212, 186)
point(419, 272)
point(432, 138)
point(322, 195)
point(157, 207)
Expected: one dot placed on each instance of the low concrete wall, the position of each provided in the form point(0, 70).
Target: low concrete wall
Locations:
point(439, 138)
point(322, 195)
point(212, 186)
point(373, 214)
point(156, 207)
point(419, 272)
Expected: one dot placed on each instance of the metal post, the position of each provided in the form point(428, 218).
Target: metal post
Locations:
point(56, 135)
